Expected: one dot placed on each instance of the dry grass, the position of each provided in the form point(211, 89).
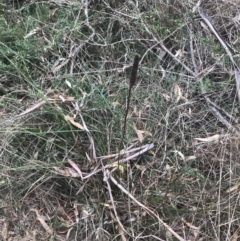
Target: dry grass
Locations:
point(65, 69)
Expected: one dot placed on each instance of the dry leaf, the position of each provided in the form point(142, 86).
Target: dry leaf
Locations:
point(68, 84)
point(35, 156)
point(42, 221)
point(64, 98)
point(75, 166)
point(209, 139)
point(141, 134)
point(37, 105)
point(179, 54)
point(166, 97)
point(147, 133)
point(180, 154)
point(169, 171)
point(190, 225)
point(189, 158)
point(233, 188)
point(237, 78)
point(67, 172)
point(32, 32)
point(115, 104)
point(177, 92)
point(99, 80)
point(71, 119)
point(151, 152)
point(140, 167)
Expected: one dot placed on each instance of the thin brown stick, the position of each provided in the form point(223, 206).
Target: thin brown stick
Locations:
point(226, 47)
point(105, 179)
point(149, 211)
point(97, 170)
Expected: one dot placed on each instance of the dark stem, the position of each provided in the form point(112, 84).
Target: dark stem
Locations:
point(133, 79)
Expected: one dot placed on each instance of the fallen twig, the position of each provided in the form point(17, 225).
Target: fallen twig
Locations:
point(215, 109)
point(225, 46)
point(73, 172)
point(126, 152)
point(105, 179)
point(150, 212)
point(96, 170)
point(34, 107)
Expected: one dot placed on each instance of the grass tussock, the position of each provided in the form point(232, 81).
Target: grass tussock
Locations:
point(65, 68)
